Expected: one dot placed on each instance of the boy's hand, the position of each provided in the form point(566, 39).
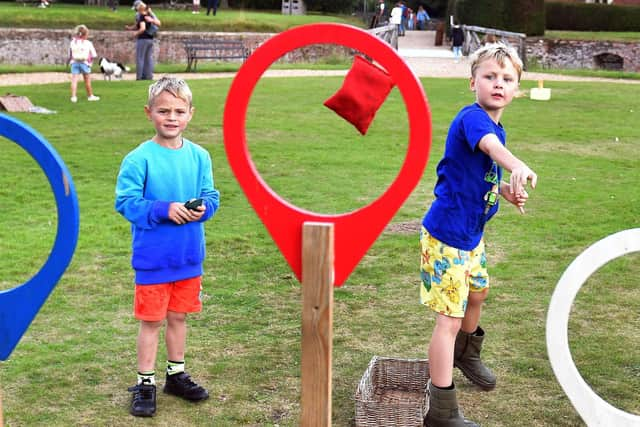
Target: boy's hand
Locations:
point(179, 214)
point(517, 199)
point(519, 178)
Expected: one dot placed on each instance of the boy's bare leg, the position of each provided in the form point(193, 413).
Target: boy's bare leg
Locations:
point(180, 383)
point(473, 311)
point(176, 335)
point(148, 345)
point(441, 350)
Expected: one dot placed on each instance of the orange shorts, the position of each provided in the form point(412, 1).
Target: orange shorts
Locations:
point(151, 302)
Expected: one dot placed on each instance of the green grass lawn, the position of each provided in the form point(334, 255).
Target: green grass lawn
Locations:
point(629, 36)
point(75, 362)
point(67, 16)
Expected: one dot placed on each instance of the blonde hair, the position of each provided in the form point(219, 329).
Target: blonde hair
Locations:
point(498, 51)
point(80, 31)
point(174, 85)
point(142, 8)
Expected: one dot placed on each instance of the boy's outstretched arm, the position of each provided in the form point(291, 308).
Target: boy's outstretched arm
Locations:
point(520, 172)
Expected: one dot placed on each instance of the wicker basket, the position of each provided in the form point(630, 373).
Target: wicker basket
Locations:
point(392, 392)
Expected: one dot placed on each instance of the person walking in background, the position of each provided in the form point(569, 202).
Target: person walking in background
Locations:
point(457, 39)
point(380, 11)
point(455, 280)
point(165, 189)
point(421, 18)
point(144, 30)
point(411, 19)
point(378, 17)
point(81, 54)
point(405, 17)
point(396, 18)
point(212, 5)
point(196, 6)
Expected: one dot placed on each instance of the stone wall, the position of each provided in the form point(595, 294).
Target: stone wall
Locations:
point(34, 46)
point(575, 54)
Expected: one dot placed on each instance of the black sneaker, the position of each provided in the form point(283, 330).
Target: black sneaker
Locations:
point(181, 385)
point(143, 401)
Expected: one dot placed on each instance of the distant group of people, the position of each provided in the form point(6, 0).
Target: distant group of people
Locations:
point(145, 29)
point(82, 51)
point(402, 16)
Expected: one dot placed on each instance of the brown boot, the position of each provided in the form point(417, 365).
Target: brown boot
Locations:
point(443, 409)
point(467, 359)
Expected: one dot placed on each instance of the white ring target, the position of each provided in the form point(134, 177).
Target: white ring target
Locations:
point(592, 408)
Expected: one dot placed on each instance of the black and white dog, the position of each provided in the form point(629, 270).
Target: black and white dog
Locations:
point(112, 69)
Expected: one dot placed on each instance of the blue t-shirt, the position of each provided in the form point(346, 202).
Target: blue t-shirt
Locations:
point(151, 178)
point(465, 175)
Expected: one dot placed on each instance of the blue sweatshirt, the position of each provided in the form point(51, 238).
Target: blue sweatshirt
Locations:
point(151, 178)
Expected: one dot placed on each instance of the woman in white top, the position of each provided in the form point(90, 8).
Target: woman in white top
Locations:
point(396, 17)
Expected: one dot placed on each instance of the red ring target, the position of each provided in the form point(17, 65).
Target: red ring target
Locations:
point(354, 231)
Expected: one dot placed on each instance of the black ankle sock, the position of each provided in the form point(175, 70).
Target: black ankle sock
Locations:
point(451, 387)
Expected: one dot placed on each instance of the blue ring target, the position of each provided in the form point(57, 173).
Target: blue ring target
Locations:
point(19, 305)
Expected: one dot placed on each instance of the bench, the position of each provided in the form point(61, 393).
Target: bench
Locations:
point(213, 49)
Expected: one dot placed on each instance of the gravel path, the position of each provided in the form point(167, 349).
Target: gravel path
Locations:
point(422, 67)
point(417, 48)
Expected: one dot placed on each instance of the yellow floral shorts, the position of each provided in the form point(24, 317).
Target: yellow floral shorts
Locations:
point(449, 274)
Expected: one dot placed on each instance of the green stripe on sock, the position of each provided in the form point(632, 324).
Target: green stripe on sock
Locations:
point(175, 367)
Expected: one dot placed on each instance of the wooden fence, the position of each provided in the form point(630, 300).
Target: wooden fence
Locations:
point(388, 33)
point(474, 37)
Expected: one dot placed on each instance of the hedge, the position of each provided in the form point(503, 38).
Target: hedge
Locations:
point(591, 17)
point(519, 16)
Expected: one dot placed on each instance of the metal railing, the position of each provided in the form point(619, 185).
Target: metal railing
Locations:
point(388, 33)
point(472, 40)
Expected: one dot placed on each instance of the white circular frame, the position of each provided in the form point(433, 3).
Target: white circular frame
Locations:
point(592, 408)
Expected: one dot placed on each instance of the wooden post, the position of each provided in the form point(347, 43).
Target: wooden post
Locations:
point(317, 323)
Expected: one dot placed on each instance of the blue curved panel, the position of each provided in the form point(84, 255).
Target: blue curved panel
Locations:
point(19, 305)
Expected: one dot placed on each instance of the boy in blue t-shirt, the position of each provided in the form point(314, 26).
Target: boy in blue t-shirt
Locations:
point(453, 263)
point(156, 180)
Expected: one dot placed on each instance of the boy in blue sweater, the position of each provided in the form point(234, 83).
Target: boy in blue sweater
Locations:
point(453, 267)
point(155, 181)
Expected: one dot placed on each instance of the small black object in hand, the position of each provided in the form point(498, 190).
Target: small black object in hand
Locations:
point(193, 204)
